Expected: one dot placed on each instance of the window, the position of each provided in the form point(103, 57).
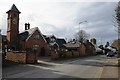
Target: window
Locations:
point(52, 40)
point(37, 37)
point(35, 47)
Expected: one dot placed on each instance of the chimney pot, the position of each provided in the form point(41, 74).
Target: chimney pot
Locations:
point(27, 26)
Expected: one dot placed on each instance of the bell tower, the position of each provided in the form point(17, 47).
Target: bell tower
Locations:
point(13, 27)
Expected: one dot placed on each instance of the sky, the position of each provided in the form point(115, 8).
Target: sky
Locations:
point(61, 17)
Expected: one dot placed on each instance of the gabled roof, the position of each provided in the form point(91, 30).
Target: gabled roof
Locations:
point(48, 37)
point(89, 43)
point(28, 33)
point(73, 44)
point(60, 42)
point(14, 8)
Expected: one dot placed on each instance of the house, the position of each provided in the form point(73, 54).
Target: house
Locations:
point(28, 40)
point(51, 41)
point(33, 40)
point(93, 41)
point(90, 48)
point(54, 43)
point(61, 42)
point(86, 48)
point(73, 45)
point(76, 47)
point(30, 43)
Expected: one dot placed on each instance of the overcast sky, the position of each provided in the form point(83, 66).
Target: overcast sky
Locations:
point(62, 18)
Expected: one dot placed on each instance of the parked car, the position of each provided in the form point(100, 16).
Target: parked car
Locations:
point(99, 51)
point(110, 54)
point(112, 49)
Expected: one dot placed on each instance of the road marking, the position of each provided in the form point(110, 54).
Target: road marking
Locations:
point(49, 63)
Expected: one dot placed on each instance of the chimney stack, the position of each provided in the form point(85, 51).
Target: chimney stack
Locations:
point(93, 41)
point(27, 26)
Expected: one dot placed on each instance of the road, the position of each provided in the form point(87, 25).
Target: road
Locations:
point(88, 67)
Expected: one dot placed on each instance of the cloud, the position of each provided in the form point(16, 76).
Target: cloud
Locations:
point(62, 18)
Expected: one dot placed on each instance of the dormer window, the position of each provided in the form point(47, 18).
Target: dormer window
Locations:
point(52, 40)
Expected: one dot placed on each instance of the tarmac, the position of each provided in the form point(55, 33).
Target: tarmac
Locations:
point(111, 70)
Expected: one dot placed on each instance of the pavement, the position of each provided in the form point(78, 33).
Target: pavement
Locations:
point(111, 69)
point(94, 67)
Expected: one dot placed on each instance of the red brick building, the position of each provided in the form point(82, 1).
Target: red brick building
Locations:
point(28, 40)
point(13, 27)
point(33, 40)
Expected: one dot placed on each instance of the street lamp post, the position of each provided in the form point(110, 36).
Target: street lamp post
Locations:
point(81, 23)
point(79, 27)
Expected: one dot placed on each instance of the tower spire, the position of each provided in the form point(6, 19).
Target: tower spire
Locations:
point(13, 8)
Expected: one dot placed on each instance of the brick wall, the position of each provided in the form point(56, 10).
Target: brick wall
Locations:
point(22, 57)
point(75, 53)
point(54, 55)
point(31, 58)
point(82, 50)
point(68, 54)
point(16, 57)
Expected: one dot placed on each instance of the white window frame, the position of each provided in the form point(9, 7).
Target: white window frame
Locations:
point(35, 47)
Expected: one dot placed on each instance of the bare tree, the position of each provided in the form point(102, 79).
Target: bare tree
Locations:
point(117, 17)
point(81, 36)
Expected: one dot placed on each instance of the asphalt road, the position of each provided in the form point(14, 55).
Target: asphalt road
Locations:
point(88, 67)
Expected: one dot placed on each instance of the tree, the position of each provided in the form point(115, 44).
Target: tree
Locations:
point(115, 43)
point(117, 17)
point(81, 36)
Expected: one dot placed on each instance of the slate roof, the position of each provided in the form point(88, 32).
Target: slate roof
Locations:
point(60, 42)
point(75, 44)
point(14, 8)
point(48, 37)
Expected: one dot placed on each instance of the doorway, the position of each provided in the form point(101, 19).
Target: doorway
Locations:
point(42, 52)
